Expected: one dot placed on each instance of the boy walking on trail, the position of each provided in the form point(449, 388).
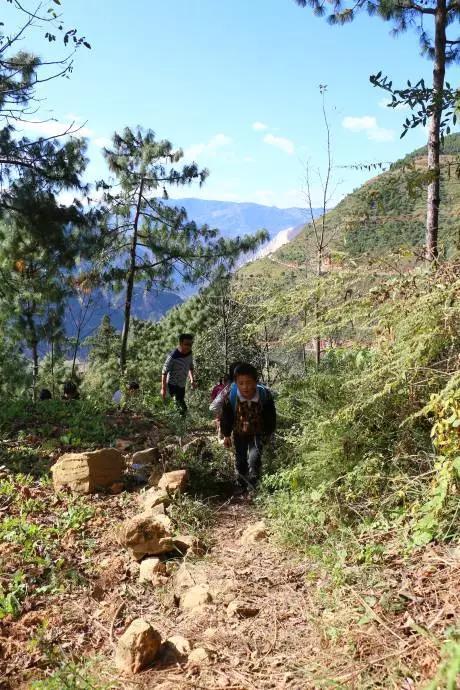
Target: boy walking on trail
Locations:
point(249, 412)
point(177, 367)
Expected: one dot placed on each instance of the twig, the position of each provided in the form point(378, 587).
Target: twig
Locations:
point(112, 625)
point(376, 616)
point(372, 662)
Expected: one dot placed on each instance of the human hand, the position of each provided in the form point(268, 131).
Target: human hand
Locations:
point(227, 442)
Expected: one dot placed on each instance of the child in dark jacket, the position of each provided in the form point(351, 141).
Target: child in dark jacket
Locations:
point(249, 412)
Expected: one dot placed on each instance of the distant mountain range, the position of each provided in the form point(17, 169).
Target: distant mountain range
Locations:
point(232, 219)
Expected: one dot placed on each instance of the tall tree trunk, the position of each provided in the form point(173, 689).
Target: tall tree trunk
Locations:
point(52, 368)
point(439, 70)
point(33, 342)
point(130, 283)
point(317, 340)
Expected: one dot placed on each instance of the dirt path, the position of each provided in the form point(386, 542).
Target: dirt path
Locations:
point(271, 644)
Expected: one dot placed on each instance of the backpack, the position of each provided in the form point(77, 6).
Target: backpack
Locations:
point(233, 395)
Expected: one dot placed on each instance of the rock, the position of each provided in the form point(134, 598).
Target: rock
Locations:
point(117, 488)
point(86, 473)
point(137, 647)
point(159, 509)
point(152, 498)
point(155, 475)
point(186, 577)
point(254, 533)
point(199, 655)
point(146, 457)
point(188, 544)
point(150, 569)
point(181, 646)
point(146, 535)
point(241, 609)
point(174, 481)
point(195, 596)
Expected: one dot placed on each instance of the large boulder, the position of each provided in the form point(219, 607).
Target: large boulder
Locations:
point(137, 647)
point(146, 535)
point(87, 473)
point(174, 481)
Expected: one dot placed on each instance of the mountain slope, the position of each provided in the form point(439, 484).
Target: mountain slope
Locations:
point(385, 214)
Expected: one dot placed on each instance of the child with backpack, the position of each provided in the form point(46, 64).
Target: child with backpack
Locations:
point(249, 413)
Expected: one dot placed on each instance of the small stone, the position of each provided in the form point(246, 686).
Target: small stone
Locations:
point(210, 633)
point(199, 655)
point(254, 533)
point(146, 457)
point(174, 481)
point(180, 645)
point(189, 544)
point(117, 488)
point(155, 475)
point(137, 647)
point(146, 535)
point(196, 596)
point(183, 579)
point(153, 497)
point(241, 609)
point(150, 568)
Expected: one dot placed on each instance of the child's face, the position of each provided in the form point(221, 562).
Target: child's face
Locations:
point(185, 346)
point(246, 385)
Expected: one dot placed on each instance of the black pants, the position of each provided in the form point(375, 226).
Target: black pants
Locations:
point(178, 393)
point(248, 459)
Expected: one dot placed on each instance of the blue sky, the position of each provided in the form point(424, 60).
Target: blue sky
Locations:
point(235, 83)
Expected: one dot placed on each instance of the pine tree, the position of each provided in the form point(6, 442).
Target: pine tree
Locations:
point(148, 240)
point(438, 47)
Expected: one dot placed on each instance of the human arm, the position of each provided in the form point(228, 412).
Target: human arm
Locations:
point(226, 419)
point(167, 366)
point(191, 376)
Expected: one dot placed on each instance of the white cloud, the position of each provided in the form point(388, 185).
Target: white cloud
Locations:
point(210, 148)
point(281, 143)
point(54, 128)
point(368, 124)
point(259, 126)
point(249, 159)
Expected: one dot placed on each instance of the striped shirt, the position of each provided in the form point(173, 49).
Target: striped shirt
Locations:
point(177, 367)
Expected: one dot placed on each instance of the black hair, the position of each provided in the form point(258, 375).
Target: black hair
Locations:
point(245, 369)
point(185, 336)
point(227, 378)
point(133, 386)
point(231, 370)
point(45, 394)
